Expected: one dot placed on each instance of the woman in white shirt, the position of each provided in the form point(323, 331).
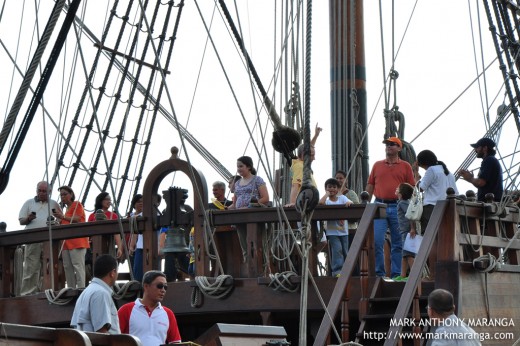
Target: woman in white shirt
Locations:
point(437, 179)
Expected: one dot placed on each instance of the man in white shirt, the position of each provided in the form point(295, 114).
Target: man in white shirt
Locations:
point(34, 214)
point(95, 310)
point(449, 329)
point(146, 318)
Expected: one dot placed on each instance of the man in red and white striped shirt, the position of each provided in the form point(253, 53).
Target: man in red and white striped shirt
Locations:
point(146, 318)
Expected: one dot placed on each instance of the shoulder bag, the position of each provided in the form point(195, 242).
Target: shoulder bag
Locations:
point(415, 207)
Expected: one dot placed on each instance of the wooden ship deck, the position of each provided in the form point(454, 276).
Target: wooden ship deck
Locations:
point(359, 307)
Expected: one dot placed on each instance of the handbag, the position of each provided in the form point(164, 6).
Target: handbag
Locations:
point(415, 207)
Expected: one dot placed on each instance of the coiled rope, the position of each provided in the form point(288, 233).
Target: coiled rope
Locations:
point(211, 290)
point(492, 265)
point(281, 282)
point(56, 298)
point(122, 292)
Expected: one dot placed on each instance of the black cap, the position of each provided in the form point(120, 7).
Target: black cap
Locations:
point(484, 142)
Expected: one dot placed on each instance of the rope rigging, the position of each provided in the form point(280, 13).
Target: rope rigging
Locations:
point(119, 138)
point(285, 139)
point(110, 118)
point(9, 122)
point(392, 114)
point(282, 280)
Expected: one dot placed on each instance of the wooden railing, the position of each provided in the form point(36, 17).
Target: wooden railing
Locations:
point(256, 220)
point(454, 233)
point(360, 249)
point(102, 231)
point(22, 335)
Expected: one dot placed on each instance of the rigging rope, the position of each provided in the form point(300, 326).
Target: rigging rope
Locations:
point(86, 91)
point(134, 88)
point(115, 151)
point(486, 107)
point(216, 164)
point(306, 182)
point(35, 62)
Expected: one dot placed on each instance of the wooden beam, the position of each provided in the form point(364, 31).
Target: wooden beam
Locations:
point(254, 215)
point(79, 230)
point(476, 240)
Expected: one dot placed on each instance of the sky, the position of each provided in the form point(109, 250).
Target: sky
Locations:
point(438, 57)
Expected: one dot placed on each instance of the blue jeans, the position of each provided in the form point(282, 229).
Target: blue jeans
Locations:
point(338, 247)
point(138, 265)
point(380, 227)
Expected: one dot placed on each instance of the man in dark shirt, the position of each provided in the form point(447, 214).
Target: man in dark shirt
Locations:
point(489, 178)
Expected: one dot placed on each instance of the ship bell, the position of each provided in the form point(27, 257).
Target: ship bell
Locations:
point(175, 240)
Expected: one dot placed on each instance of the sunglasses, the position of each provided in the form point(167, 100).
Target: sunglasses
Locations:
point(391, 144)
point(161, 286)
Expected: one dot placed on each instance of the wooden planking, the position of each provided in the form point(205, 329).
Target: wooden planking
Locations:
point(476, 290)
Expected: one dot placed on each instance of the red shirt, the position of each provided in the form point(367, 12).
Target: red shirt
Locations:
point(110, 216)
point(386, 177)
point(155, 327)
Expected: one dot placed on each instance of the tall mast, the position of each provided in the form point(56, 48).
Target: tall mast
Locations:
point(348, 91)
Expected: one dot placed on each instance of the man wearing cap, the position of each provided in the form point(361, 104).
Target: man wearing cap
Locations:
point(489, 178)
point(449, 329)
point(385, 177)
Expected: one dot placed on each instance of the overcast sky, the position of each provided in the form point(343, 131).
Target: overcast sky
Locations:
point(436, 62)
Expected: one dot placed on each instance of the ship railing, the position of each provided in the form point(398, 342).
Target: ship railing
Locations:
point(362, 252)
point(101, 233)
point(460, 234)
point(18, 334)
point(256, 219)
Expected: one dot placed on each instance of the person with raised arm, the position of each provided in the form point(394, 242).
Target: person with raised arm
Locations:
point(297, 168)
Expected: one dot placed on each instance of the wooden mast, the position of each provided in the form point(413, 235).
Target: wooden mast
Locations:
point(348, 91)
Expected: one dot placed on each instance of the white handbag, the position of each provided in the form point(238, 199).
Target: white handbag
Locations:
point(415, 207)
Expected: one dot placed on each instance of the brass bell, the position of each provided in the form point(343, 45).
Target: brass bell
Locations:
point(175, 240)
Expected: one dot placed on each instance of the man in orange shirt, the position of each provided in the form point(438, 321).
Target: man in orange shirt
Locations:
point(385, 177)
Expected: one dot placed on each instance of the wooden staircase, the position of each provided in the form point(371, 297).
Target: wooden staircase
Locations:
point(383, 302)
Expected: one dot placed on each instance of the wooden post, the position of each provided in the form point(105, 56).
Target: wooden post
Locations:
point(345, 319)
point(6, 271)
point(52, 280)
